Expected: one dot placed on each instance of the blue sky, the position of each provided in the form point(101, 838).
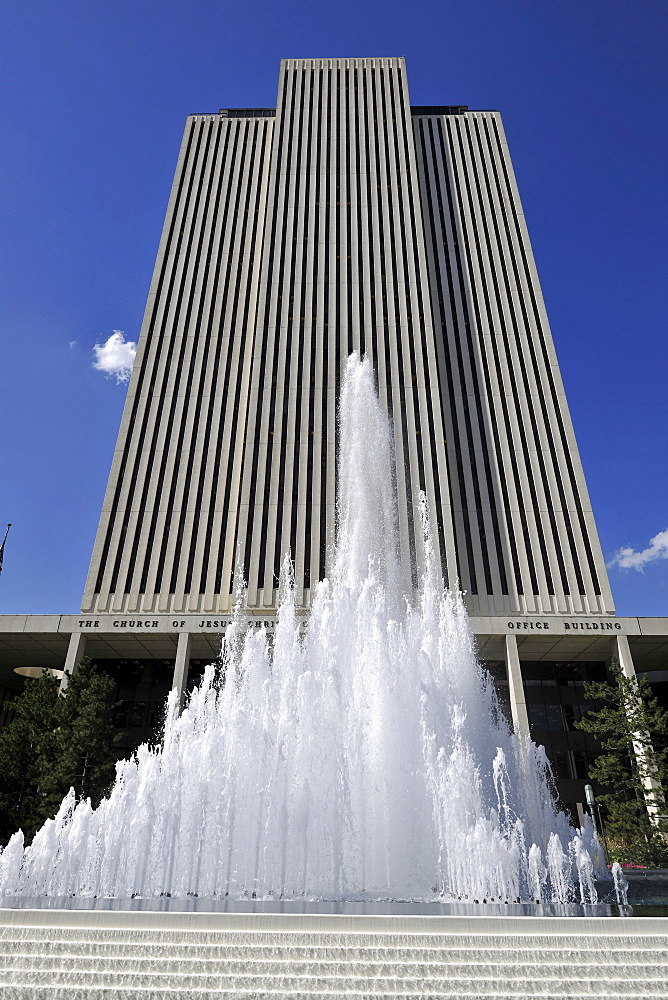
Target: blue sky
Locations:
point(95, 96)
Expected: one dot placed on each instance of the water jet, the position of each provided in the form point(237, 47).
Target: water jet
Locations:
point(363, 757)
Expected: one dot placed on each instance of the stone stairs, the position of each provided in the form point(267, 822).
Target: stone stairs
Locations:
point(102, 955)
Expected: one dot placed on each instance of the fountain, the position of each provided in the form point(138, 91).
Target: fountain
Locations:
point(341, 807)
point(364, 756)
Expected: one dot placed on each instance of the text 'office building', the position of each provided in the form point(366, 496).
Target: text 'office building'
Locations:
point(345, 219)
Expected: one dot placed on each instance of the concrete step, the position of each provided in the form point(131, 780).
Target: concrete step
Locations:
point(343, 982)
point(101, 948)
point(151, 993)
point(142, 956)
point(335, 943)
point(405, 968)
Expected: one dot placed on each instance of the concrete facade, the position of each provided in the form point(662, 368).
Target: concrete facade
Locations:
point(59, 641)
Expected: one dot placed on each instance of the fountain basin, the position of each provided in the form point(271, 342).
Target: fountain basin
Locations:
point(293, 907)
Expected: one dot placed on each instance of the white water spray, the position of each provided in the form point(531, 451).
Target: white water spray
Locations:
point(620, 884)
point(362, 757)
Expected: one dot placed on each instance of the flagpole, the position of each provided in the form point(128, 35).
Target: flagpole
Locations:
point(2, 547)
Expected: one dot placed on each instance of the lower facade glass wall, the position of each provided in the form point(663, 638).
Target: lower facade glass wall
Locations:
point(139, 696)
point(554, 693)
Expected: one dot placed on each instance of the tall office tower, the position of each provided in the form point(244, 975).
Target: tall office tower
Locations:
point(343, 220)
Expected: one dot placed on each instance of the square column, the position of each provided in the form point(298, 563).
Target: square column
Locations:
point(652, 789)
point(75, 651)
point(518, 707)
point(180, 678)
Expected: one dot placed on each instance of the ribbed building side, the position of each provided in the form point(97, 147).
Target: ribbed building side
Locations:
point(165, 538)
point(343, 221)
point(525, 533)
point(343, 270)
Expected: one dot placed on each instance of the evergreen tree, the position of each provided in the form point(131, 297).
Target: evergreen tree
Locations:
point(53, 744)
point(83, 740)
point(25, 744)
point(632, 728)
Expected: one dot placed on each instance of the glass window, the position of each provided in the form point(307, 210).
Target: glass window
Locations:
point(555, 718)
point(537, 717)
point(566, 673)
point(138, 715)
point(581, 764)
point(561, 764)
point(572, 714)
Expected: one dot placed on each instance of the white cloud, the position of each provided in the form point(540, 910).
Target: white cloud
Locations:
point(73, 343)
point(630, 559)
point(116, 356)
